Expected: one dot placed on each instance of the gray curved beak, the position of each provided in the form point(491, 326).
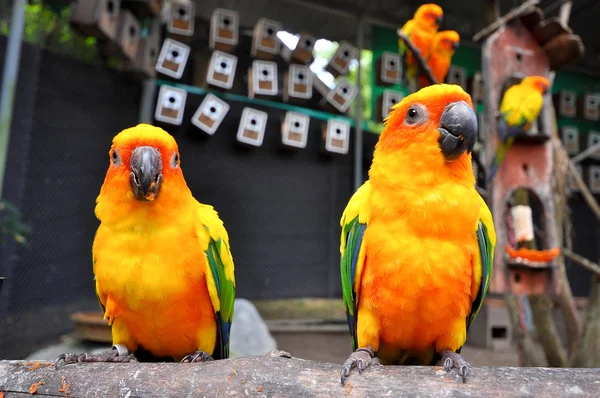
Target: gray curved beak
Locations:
point(458, 130)
point(145, 178)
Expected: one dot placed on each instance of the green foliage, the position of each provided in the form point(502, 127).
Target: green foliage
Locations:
point(49, 28)
point(10, 223)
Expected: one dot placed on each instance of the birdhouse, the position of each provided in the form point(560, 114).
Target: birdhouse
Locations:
point(127, 38)
point(336, 136)
point(457, 75)
point(262, 79)
point(143, 8)
point(390, 69)
point(148, 50)
point(251, 130)
point(508, 54)
point(570, 139)
point(590, 106)
point(297, 83)
point(294, 129)
point(210, 114)
point(220, 72)
point(567, 103)
point(385, 102)
point(182, 19)
point(303, 53)
point(223, 29)
point(341, 96)
point(265, 43)
point(170, 105)
point(96, 18)
point(594, 178)
point(172, 58)
point(476, 88)
point(339, 64)
point(593, 139)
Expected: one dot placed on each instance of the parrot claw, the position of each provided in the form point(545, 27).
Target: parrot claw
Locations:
point(198, 356)
point(361, 358)
point(451, 360)
point(118, 353)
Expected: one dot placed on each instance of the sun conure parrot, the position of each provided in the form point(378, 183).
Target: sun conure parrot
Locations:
point(442, 49)
point(417, 240)
point(420, 29)
point(163, 269)
point(520, 106)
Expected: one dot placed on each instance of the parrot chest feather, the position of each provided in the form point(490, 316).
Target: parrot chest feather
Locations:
point(154, 290)
point(417, 278)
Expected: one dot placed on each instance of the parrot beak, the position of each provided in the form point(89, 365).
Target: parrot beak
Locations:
point(458, 130)
point(439, 20)
point(146, 173)
point(455, 45)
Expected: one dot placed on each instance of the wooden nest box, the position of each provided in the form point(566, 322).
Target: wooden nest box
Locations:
point(523, 45)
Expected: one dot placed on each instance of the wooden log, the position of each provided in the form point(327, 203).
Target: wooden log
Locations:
point(275, 376)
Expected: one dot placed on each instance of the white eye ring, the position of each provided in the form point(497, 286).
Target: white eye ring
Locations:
point(175, 160)
point(415, 114)
point(115, 158)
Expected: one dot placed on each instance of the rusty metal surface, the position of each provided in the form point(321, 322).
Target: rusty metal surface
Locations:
point(513, 51)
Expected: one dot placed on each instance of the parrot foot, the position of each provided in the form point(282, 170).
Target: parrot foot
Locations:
point(198, 356)
point(361, 358)
point(118, 353)
point(451, 360)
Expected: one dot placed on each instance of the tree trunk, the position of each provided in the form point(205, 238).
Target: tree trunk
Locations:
point(529, 355)
point(275, 376)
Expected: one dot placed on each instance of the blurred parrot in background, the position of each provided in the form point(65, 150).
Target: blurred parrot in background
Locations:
point(163, 269)
point(417, 240)
point(420, 29)
point(520, 106)
point(443, 46)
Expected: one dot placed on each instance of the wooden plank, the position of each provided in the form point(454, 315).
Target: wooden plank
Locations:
point(273, 375)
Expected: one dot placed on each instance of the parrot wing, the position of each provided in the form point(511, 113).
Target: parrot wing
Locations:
point(220, 279)
point(406, 28)
point(352, 251)
point(486, 238)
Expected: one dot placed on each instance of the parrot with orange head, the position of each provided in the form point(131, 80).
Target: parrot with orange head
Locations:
point(417, 239)
point(420, 30)
point(163, 268)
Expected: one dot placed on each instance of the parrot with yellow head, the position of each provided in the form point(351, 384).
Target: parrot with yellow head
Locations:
point(417, 240)
point(163, 268)
point(420, 30)
point(521, 105)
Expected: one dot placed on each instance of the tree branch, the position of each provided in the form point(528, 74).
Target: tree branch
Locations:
point(503, 20)
point(581, 260)
point(587, 153)
point(587, 195)
point(417, 54)
point(587, 353)
point(268, 376)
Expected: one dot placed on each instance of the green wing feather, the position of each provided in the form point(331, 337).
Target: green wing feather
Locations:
point(486, 238)
point(225, 290)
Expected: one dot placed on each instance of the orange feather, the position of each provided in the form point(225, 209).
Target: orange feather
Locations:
point(418, 281)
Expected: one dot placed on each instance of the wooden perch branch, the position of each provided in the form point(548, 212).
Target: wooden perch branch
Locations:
point(581, 260)
point(503, 20)
point(271, 375)
point(417, 54)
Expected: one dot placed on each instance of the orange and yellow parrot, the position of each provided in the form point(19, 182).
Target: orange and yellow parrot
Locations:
point(520, 106)
point(443, 46)
point(163, 268)
point(420, 30)
point(417, 240)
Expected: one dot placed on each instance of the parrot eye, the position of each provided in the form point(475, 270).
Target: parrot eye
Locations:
point(115, 158)
point(175, 160)
point(416, 114)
